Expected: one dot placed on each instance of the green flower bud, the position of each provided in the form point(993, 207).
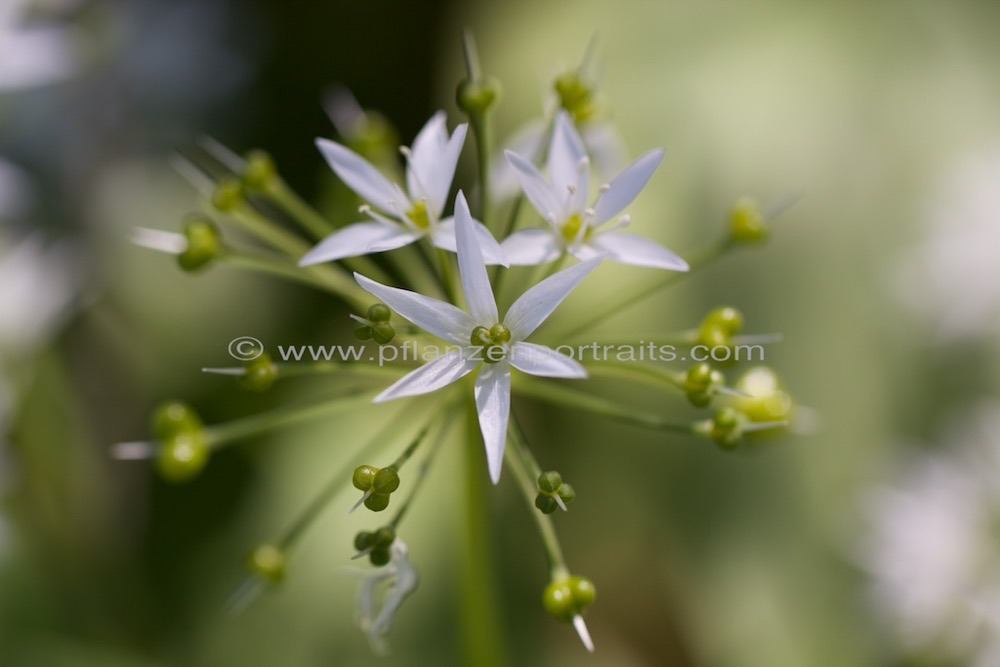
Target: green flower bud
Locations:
point(364, 477)
point(575, 96)
point(557, 598)
point(379, 312)
point(260, 172)
point(476, 97)
point(567, 493)
point(383, 537)
point(182, 456)
point(228, 195)
point(546, 503)
point(383, 333)
point(583, 591)
point(379, 557)
point(203, 244)
point(377, 502)
point(726, 431)
point(480, 336)
point(364, 540)
point(499, 333)
point(727, 318)
point(767, 401)
point(549, 482)
point(386, 480)
point(268, 562)
point(260, 373)
point(172, 418)
point(746, 223)
point(363, 331)
point(494, 353)
point(698, 378)
point(711, 336)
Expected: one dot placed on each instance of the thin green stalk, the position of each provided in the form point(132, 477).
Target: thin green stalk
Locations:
point(276, 267)
point(616, 306)
point(440, 436)
point(305, 215)
point(630, 370)
point(447, 275)
point(520, 461)
point(480, 624)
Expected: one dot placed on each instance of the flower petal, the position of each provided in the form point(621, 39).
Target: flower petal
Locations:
point(432, 160)
point(626, 186)
point(636, 250)
point(544, 361)
point(443, 237)
point(472, 269)
point(532, 307)
point(363, 178)
point(493, 405)
point(566, 164)
point(526, 140)
point(438, 317)
point(433, 375)
point(545, 200)
point(536, 245)
point(359, 239)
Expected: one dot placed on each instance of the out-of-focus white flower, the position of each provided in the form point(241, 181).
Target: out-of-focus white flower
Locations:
point(932, 551)
point(31, 54)
point(375, 620)
point(953, 277)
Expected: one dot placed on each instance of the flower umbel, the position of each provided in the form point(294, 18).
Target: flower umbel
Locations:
point(574, 227)
point(400, 218)
point(481, 338)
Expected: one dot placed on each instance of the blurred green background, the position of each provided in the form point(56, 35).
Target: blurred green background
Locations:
point(701, 558)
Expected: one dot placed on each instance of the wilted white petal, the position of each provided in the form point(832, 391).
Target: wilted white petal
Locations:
point(544, 361)
point(359, 239)
point(536, 245)
point(635, 250)
point(443, 237)
point(440, 318)
point(565, 155)
point(532, 307)
point(546, 201)
point(471, 267)
point(626, 186)
point(404, 582)
point(431, 376)
point(362, 177)
point(493, 405)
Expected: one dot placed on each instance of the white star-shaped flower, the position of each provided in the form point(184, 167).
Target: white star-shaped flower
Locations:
point(574, 227)
point(400, 218)
point(480, 338)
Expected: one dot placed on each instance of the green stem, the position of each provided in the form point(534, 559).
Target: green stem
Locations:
point(445, 424)
point(522, 464)
point(697, 261)
point(482, 643)
point(447, 275)
point(276, 267)
point(305, 215)
point(630, 370)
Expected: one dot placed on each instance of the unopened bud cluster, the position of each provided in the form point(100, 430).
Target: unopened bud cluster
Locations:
point(377, 484)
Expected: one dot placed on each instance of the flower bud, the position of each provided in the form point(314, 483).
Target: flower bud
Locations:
point(746, 223)
point(182, 455)
point(545, 503)
point(379, 556)
point(568, 597)
point(260, 172)
point(767, 401)
point(364, 540)
point(566, 492)
point(173, 417)
point(726, 428)
point(549, 482)
point(268, 562)
point(377, 502)
point(203, 244)
point(260, 373)
point(382, 333)
point(228, 195)
point(379, 312)
point(727, 318)
point(477, 97)
point(575, 96)
point(384, 537)
point(386, 480)
point(363, 477)
point(363, 331)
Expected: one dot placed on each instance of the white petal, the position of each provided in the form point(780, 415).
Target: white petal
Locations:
point(432, 161)
point(471, 267)
point(545, 200)
point(157, 239)
point(363, 178)
point(359, 239)
point(443, 237)
point(526, 140)
point(532, 307)
point(604, 146)
point(626, 185)
point(636, 250)
point(566, 152)
point(493, 405)
point(541, 360)
point(438, 317)
point(536, 245)
point(431, 376)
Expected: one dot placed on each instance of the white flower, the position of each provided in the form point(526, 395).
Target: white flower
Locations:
point(499, 344)
point(574, 227)
point(404, 581)
point(401, 217)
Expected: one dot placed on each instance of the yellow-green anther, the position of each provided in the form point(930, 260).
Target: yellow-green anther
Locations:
point(746, 223)
point(549, 482)
point(268, 562)
point(385, 481)
point(364, 477)
point(575, 96)
point(379, 312)
point(476, 97)
point(260, 172)
point(174, 417)
point(228, 195)
point(382, 333)
point(182, 455)
point(377, 502)
point(203, 244)
point(260, 373)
